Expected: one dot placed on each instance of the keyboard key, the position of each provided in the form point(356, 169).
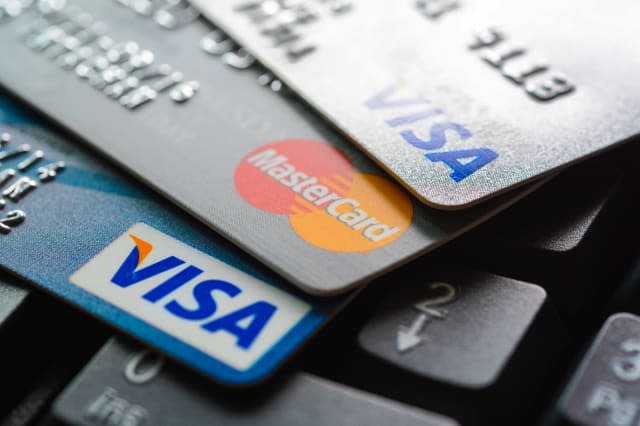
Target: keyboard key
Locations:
point(127, 385)
point(561, 236)
point(41, 393)
point(12, 297)
point(19, 357)
point(454, 341)
point(36, 335)
point(605, 389)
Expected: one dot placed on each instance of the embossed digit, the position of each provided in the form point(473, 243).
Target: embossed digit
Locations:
point(11, 220)
point(627, 367)
point(551, 88)
point(436, 8)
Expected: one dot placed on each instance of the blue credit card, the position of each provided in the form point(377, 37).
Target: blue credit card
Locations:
point(72, 225)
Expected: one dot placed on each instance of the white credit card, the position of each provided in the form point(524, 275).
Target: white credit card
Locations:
point(459, 100)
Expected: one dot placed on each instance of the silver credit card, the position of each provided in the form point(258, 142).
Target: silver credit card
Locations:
point(459, 100)
point(179, 110)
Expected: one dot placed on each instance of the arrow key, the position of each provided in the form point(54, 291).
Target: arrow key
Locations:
point(456, 341)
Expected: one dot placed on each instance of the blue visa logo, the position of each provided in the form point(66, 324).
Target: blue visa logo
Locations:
point(426, 127)
point(197, 299)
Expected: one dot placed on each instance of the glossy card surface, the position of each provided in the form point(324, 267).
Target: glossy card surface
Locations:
point(459, 100)
point(177, 108)
point(73, 227)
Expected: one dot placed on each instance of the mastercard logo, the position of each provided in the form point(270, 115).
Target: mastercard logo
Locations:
point(330, 204)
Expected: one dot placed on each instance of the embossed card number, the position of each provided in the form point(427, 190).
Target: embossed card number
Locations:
point(11, 220)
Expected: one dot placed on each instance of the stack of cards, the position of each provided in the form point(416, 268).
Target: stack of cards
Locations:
point(287, 183)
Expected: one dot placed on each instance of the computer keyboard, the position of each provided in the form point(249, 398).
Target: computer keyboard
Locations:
point(531, 318)
point(484, 331)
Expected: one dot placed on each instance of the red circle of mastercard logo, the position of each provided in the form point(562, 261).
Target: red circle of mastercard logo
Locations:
point(330, 204)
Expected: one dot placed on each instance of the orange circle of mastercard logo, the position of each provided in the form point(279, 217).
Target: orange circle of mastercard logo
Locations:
point(330, 204)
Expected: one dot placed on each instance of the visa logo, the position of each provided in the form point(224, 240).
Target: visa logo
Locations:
point(427, 128)
point(197, 299)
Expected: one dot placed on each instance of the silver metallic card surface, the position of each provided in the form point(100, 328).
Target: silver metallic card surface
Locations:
point(256, 166)
point(459, 100)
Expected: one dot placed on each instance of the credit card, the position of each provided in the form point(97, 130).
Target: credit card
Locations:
point(177, 110)
point(74, 227)
point(459, 100)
